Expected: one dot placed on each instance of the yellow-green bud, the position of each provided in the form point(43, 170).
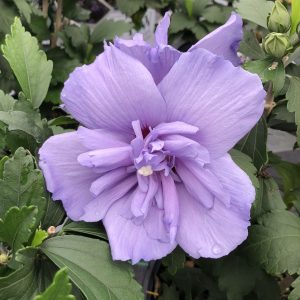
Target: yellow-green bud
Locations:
point(279, 20)
point(276, 44)
point(4, 258)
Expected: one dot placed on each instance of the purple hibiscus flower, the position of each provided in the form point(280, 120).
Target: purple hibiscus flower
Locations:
point(151, 161)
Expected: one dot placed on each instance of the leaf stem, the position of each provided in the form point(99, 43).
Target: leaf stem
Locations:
point(269, 104)
point(58, 23)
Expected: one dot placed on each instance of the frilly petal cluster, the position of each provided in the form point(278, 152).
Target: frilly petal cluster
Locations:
point(151, 157)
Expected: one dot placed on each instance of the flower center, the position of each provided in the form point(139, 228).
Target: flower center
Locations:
point(157, 151)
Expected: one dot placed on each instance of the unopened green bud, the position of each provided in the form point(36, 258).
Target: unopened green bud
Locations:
point(279, 20)
point(276, 44)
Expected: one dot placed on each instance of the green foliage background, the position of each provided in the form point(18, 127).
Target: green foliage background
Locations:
point(43, 254)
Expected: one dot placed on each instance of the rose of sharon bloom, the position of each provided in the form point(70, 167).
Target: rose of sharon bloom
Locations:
point(151, 157)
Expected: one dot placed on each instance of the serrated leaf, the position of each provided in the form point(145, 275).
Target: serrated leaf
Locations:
point(90, 267)
point(295, 294)
point(217, 14)
point(250, 47)
point(268, 69)
point(21, 184)
point(169, 293)
point(254, 10)
point(29, 64)
point(109, 29)
point(293, 104)
point(246, 164)
point(254, 144)
point(181, 21)
point(93, 229)
point(17, 225)
point(295, 15)
point(268, 198)
point(60, 289)
point(275, 242)
point(129, 7)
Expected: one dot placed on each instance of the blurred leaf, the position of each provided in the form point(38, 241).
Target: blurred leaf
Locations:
point(295, 16)
point(293, 104)
point(295, 294)
point(38, 26)
point(189, 6)
point(73, 10)
point(62, 120)
point(250, 47)
point(246, 164)
point(60, 288)
point(38, 238)
point(17, 226)
point(275, 242)
point(29, 64)
point(217, 14)
point(21, 184)
point(268, 198)
point(280, 112)
point(108, 30)
point(268, 69)
point(6, 102)
point(90, 267)
point(79, 35)
point(93, 229)
point(254, 144)
point(174, 261)
point(7, 14)
point(199, 31)
point(129, 7)
point(254, 10)
point(169, 293)
point(24, 9)
point(62, 65)
point(180, 21)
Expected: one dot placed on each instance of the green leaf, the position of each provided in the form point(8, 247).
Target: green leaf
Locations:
point(268, 69)
point(268, 198)
point(174, 261)
point(6, 102)
point(217, 14)
point(24, 8)
point(295, 16)
point(17, 225)
point(60, 289)
point(295, 294)
point(169, 293)
point(250, 47)
point(90, 267)
point(246, 164)
point(21, 184)
point(181, 21)
point(108, 30)
point(29, 64)
point(33, 276)
point(62, 65)
point(22, 283)
point(275, 242)
point(93, 229)
point(7, 14)
point(189, 6)
point(54, 213)
point(294, 101)
point(254, 144)
point(130, 7)
point(254, 10)
point(38, 238)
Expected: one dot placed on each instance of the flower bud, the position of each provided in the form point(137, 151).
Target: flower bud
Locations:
point(276, 44)
point(279, 20)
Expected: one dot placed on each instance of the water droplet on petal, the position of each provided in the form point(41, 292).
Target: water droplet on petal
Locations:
point(216, 249)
